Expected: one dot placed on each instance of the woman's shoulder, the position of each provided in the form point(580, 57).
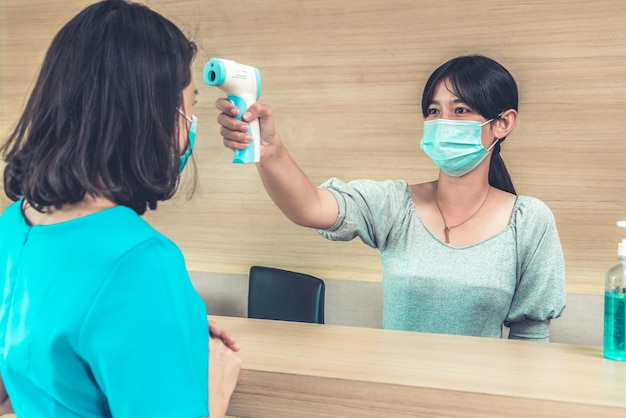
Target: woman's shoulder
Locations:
point(531, 212)
point(12, 210)
point(530, 204)
point(120, 231)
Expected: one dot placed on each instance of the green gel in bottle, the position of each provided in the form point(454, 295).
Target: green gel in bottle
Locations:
point(615, 306)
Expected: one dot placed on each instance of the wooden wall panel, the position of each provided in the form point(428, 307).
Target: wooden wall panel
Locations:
point(345, 79)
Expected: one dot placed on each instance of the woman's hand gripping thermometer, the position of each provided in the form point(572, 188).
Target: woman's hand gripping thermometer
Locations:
point(242, 85)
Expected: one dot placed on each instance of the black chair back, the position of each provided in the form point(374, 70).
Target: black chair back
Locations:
point(285, 295)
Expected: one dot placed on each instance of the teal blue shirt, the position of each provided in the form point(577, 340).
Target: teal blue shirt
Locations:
point(515, 278)
point(98, 318)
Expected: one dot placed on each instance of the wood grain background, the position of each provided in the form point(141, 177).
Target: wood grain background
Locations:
point(345, 80)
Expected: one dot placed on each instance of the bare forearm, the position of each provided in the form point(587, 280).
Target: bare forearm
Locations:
point(224, 368)
point(294, 194)
point(218, 410)
point(287, 185)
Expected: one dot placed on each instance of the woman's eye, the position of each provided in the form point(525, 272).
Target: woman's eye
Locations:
point(432, 111)
point(461, 110)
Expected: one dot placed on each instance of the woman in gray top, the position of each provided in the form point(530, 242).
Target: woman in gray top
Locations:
point(461, 255)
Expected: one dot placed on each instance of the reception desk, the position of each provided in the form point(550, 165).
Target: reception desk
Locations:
point(311, 370)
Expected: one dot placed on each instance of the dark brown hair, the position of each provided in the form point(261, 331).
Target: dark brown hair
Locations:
point(102, 116)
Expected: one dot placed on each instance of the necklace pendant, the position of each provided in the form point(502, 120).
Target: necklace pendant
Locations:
point(446, 231)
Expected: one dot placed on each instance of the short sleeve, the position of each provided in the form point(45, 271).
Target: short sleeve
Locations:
point(367, 209)
point(145, 336)
point(540, 289)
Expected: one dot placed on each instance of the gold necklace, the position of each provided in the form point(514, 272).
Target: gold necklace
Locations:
point(447, 228)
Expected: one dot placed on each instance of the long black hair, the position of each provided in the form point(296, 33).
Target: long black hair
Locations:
point(102, 117)
point(488, 88)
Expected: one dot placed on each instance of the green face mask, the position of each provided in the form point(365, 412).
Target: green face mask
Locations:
point(455, 145)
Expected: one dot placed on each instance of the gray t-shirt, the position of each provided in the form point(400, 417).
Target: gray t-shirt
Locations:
point(515, 278)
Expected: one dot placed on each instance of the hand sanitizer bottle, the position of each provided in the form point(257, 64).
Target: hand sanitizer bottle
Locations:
point(615, 306)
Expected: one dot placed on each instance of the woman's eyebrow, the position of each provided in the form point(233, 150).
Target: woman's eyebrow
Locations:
point(455, 101)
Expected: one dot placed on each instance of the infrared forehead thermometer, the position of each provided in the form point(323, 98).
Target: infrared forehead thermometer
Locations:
point(242, 85)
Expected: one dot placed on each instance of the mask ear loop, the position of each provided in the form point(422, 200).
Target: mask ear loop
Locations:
point(497, 139)
point(191, 123)
point(493, 145)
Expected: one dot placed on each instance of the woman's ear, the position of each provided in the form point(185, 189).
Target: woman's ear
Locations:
point(505, 123)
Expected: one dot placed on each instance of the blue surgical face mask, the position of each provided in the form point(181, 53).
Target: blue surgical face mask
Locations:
point(455, 145)
point(192, 139)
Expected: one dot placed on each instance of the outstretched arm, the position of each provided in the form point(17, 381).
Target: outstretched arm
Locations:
point(288, 186)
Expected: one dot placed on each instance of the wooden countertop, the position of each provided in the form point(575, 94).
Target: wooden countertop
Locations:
point(311, 370)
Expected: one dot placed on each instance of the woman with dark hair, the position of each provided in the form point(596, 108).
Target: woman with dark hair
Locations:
point(98, 316)
point(461, 255)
